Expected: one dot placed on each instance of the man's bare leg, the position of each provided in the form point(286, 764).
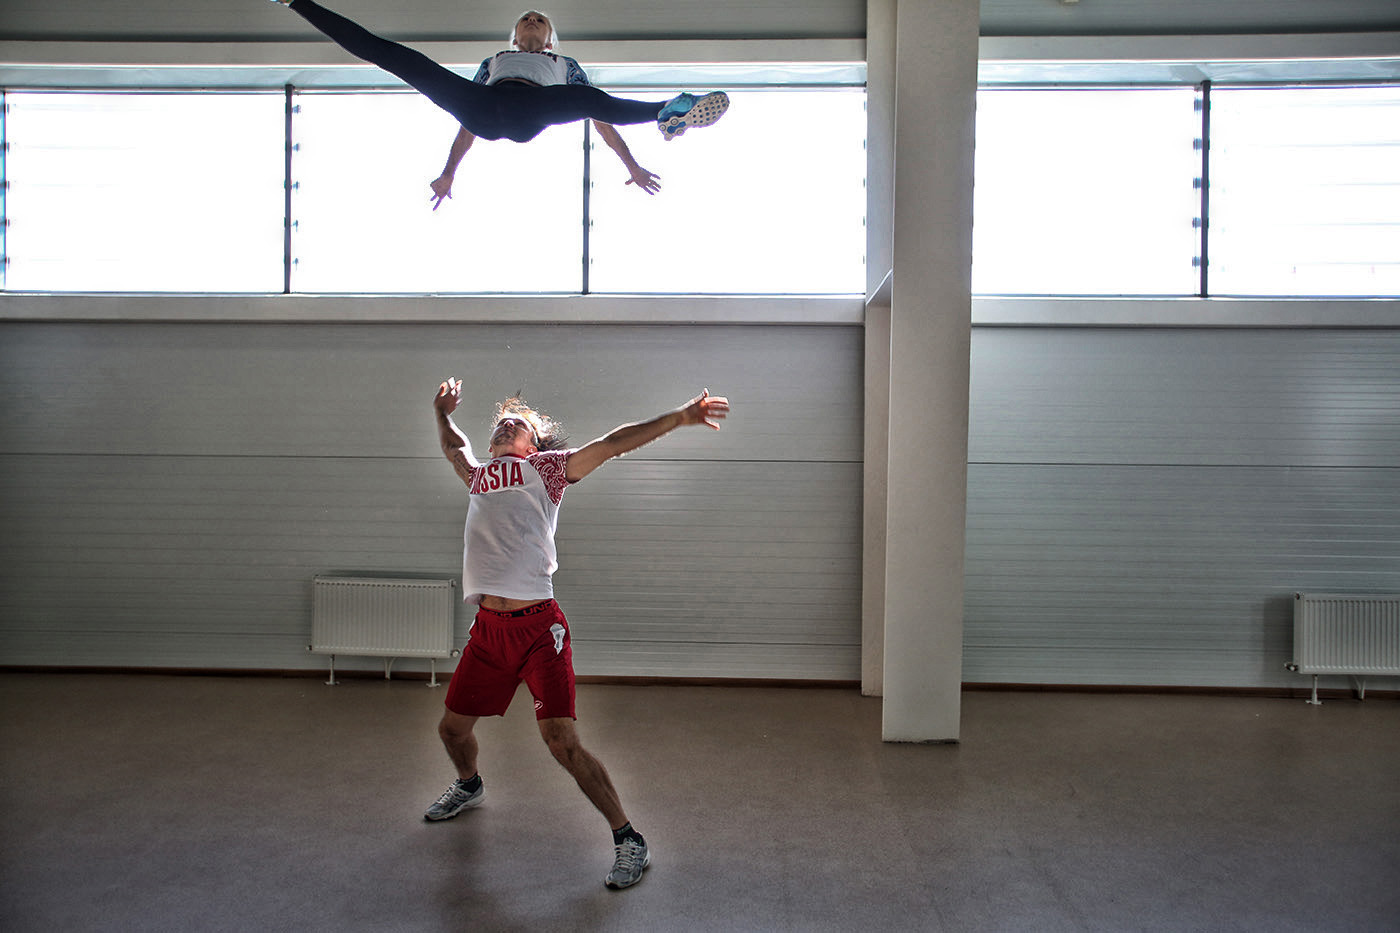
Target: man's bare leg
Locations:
point(562, 738)
point(630, 849)
point(632, 856)
point(455, 730)
point(457, 736)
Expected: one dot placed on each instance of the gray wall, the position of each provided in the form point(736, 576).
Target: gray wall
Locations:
point(1143, 502)
point(167, 491)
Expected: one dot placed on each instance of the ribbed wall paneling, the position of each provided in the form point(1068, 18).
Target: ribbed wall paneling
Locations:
point(242, 390)
point(714, 569)
point(169, 506)
point(1188, 397)
point(1143, 503)
point(154, 562)
point(202, 561)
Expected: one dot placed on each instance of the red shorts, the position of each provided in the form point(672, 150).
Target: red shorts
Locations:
point(504, 648)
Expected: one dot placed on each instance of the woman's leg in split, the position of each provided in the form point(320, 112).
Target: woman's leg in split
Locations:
point(510, 111)
point(470, 103)
point(566, 103)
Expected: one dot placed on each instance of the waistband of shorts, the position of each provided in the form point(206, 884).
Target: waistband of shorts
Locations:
point(547, 606)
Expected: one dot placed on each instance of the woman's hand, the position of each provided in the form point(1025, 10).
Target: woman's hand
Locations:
point(649, 182)
point(442, 188)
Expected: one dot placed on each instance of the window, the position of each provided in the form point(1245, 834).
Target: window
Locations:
point(1305, 191)
point(1086, 192)
point(362, 213)
point(1103, 191)
point(775, 203)
point(187, 191)
point(1091, 191)
point(115, 192)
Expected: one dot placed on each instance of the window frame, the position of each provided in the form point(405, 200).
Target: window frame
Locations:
point(1051, 59)
point(803, 64)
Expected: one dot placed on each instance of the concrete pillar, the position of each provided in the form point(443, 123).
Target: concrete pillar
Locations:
point(879, 259)
point(930, 337)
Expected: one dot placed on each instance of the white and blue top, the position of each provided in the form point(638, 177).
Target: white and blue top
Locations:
point(542, 68)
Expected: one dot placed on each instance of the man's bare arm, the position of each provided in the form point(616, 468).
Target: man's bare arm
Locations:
point(703, 409)
point(455, 445)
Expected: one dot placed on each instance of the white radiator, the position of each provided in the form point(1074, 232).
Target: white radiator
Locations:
point(383, 617)
point(1356, 635)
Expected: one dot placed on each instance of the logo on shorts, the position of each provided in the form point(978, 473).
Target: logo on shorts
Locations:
point(539, 705)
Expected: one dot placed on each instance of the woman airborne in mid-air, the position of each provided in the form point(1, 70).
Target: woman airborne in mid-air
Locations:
point(517, 93)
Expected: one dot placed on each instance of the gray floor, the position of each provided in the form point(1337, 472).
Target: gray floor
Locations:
point(196, 803)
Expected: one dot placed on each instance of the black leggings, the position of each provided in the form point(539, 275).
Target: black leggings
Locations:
point(500, 111)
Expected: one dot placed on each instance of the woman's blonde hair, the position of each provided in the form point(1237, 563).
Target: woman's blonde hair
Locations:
point(553, 33)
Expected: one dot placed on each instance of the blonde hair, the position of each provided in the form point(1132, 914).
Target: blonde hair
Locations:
point(553, 33)
point(549, 435)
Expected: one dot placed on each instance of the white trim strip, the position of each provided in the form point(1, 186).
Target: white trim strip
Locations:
point(504, 309)
point(1185, 312)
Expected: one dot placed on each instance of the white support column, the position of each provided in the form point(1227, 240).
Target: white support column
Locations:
point(876, 482)
point(879, 257)
point(930, 338)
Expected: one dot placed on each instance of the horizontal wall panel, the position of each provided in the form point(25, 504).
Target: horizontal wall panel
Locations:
point(717, 660)
point(1167, 396)
point(1163, 575)
point(207, 561)
point(1142, 502)
point(240, 390)
point(167, 491)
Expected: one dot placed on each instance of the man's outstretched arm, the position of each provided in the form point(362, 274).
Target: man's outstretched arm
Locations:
point(704, 409)
point(455, 445)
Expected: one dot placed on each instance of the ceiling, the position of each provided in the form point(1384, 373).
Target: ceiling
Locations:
point(456, 20)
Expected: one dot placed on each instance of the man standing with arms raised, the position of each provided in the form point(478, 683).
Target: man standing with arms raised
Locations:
point(519, 633)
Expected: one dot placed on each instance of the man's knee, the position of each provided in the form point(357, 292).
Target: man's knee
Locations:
point(562, 740)
point(455, 728)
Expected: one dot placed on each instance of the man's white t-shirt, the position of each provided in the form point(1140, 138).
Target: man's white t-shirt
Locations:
point(509, 536)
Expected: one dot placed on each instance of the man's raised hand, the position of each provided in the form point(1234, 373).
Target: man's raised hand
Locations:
point(448, 396)
point(705, 409)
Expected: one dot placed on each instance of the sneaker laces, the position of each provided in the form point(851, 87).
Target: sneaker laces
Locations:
point(456, 792)
point(629, 855)
point(678, 106)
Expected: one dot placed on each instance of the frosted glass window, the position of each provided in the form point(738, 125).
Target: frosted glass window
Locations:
point(362, 211)
point(1305, 191)
point(127, 192)
point(769, 200)
point(1086, 192)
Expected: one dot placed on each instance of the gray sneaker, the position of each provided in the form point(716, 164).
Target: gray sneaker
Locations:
point(454, 800)
point(632, 859)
